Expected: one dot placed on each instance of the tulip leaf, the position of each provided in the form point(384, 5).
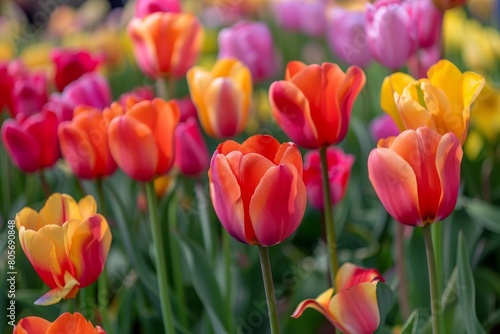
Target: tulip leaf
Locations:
point(467, 291)
point(485, 214)
point(385, 300)
point(411, 325)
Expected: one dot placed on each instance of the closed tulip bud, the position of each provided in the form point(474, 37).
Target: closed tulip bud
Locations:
point(390, 33)
point(222, 97)
point(339, 171)
point(191, 151)
point(353, 309)
point(71, 65)
point(32, 142)
point(84, 144)
point(166, 43)
point(313, 104)
point(91, 89)
point(67, 244)
point(144, 8)
point(448, 4)
point(346, 35)
point(427, 20)
point(416, 175)
point(141, 140)
point(257, 189)
point(76, 323)
point(29, 94)
point(382, 127)
point(252, 44)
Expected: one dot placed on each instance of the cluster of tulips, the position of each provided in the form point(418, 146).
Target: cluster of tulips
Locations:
point(259, 185)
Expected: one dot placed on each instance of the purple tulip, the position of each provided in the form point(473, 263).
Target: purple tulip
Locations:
point(427, 19)
point(286, 14)
point(423, 59)
point(383, 126)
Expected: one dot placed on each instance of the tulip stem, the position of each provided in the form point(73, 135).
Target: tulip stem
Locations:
point(226, 244)
point(435, 295)
point(45, 185)
point(400, 268)
point(165, 88)
point(206, 226)
point(331, 237)
point(161, 267)
point(267, 276)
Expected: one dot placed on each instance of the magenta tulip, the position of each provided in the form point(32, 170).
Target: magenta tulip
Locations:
point(72, 64)
point(191, 156)
point(145, 7)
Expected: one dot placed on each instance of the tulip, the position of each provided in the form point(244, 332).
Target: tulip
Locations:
point(66, 323)
point(61, 107)
point(422, 60)
point(448, 4)
point(252, 44)
point(144, 8)
point(141, 140)
point(313, 104)
point(427, 20)
point(257, 189)
point(353, 309)
point(390, 33)
point(441, 102)
point(187, 108)
point(416, 175)
point(71, 65)
point(32, 142)
point(222, 97)
point(383, 127)
point(287, 14)
point(66, 243)
point(346, 36)
point(312, 17)
point(166, 43)
point(339, 170)
point(137, 94)
point(84, 144)
point(192, 153)
point(29, 93)
point(91, 89)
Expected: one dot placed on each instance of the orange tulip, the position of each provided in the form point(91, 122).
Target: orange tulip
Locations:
point(166, 43)
point(67, 244)
point(142, 139)
point(416, 175)
point(66, 323)
point(84, 144)
point(313, 104)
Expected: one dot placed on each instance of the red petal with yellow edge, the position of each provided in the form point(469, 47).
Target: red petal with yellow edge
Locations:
point(60, 208)
point(75, 323)
point(264, 145)
point(133, 147)
point(69, 290)
point(355, 310)
point(289, 153)
point(31, 325)
point(350, 275)
point(448, 159)
point(395, 183)
point(292, 112)
point(321, 304)
point(278, 205)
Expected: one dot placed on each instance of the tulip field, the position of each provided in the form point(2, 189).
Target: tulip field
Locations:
point(250, 167)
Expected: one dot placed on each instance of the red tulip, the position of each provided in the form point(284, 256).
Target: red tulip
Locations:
point(72, 64)
point(191, 151)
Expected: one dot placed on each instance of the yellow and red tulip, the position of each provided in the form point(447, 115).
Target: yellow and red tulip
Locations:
point(66, 323)
point(313, 104)
point(222, 97)
point(66, 242)
point(353, 309)
point(416, 175)
point(257, 189)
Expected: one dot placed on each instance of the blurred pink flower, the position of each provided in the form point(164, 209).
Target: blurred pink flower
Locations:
point(383, 126)
point(145, 7)
point(72, 64)
point(191, 156)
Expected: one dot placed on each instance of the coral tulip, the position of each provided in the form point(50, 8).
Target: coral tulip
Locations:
point(66, 323)
point(441, 102)
point(166, 43)
point(222, 97)
point(144, 8)
point(67, 244)
point(141, 140)
point(72, 64)
point(32, 141)
point(257, 189)
point(353, 309)
point(191, 151)
point(84, 144)
point(416, 175)
point(339, 170)
point(313, 104)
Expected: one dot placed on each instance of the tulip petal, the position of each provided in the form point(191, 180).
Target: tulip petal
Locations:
point(21, 146)
point(350, 275)
point(445, 75)
point(77, 150)
point(278, 204)
point(30, 219)
point(292, 68)
point(75, 323)
point(264, 145)
point(144, 50)
point(60, 208)
point(87, 206)
point(355, 310)
point(289, 153)
point(392, 84)
point(321, 304)
point(31, 325)
point(52, 297)
point(472, 85)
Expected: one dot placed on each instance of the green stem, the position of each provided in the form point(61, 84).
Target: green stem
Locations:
point(175, 258)
point(331, 237)
point(226, 244)
point(45, 184)
point(102, 300)
point(161, 266)
point(6, 175)
point(206, 226)
point(269, 287)
point(435, 295)
point(165, 88)
point(437, 241)
point(400, 268)
point(86, 303)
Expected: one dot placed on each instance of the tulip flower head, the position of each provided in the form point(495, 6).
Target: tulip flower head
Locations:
point(353, 309)
point(66, 323)
point(313, 104)
point(222, 97)
point(72, 64)
point(191, 156)
point(442, 101)
point(67, 243)
point(416, 175)
point(383, 127)
point(257, 189)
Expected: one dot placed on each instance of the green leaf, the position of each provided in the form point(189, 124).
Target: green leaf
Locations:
point(411, 325)
point(466, 289)
point(385, 300)
point(484, 213)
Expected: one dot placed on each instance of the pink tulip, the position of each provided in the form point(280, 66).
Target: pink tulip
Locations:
point(145, 7)
point(191, 156)
point(287, 14)
point(390, 33)
point(187, 108)
point(427, 19)
point(339, 170)
point(63, 108)
point(252, 44)
point(382, 127)
point(346, 36)
point(423, 59)
point(29, 94)
point(91, 89)
point(312, 17)
point(72, 64)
